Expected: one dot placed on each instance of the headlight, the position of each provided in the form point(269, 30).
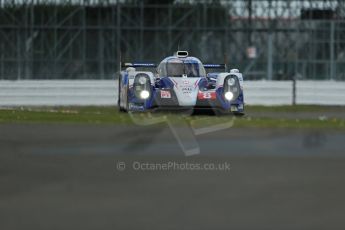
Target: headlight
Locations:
point(144, 94)
point(231, 81)
point(229, 96)
point(231, 88)
point(142, 86)
point(142, 80)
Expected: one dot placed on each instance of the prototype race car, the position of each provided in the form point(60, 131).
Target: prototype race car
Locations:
point(180, 81)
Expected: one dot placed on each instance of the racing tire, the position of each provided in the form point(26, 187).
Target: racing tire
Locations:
point(119, 95)
point(120, 108)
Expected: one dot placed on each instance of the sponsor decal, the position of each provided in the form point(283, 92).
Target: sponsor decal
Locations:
point(186, 91)
point(207, 95)
point(165, 94)
point(135, 107)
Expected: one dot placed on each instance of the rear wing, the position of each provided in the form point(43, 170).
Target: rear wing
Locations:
point(153, 65)
point(137, 65)
point(216, 66)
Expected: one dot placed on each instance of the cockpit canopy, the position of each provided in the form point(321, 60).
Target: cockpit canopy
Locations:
point(177, 67)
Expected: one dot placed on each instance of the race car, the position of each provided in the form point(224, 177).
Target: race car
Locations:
point(180, 81)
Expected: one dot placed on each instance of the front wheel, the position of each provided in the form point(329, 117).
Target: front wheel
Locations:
point(119, 107)
point(239, 114)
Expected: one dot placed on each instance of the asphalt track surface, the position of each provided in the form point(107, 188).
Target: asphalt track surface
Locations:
point(66, 177)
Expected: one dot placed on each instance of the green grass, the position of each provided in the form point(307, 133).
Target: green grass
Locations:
point(110, 115)
point(295, 108)
point(92, 115)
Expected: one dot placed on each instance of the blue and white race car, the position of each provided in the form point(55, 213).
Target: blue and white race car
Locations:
point(180, 81)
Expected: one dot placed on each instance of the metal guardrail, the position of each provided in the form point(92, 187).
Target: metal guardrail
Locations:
point(104, 92)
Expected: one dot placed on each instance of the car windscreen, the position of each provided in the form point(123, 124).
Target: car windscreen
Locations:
point(184, 68)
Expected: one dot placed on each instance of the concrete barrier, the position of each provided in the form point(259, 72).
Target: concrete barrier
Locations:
point(268, 92)
point(58, 92)
point(104, 92)
point(320, 92)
